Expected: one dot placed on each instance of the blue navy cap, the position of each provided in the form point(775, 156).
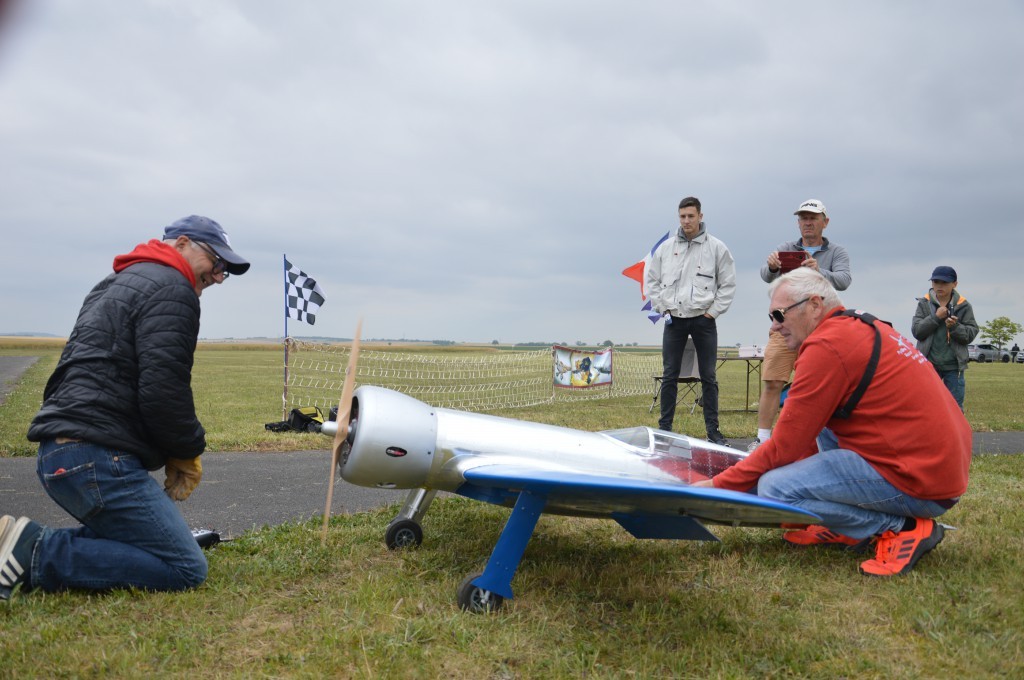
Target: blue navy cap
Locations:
point(944, 273)
point(207, 231)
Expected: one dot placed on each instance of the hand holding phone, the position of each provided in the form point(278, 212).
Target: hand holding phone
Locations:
point(791, 259)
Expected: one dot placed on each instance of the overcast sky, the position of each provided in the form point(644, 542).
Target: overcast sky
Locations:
point(473, 171)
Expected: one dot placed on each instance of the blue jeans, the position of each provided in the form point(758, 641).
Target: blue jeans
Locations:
point(954, 382)
point(132, 534)
point(704, 332)
point(845, 491)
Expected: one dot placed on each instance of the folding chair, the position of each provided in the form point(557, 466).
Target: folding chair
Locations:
point(688, 380)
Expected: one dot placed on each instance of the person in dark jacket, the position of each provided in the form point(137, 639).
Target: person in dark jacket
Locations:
point(118, 405)
point(943, 326)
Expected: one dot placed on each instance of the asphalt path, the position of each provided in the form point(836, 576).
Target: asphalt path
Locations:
point(239, 492)
point(243, 491)
point(11, 369)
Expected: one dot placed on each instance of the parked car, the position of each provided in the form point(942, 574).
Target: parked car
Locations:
point(985, 353)
point(1020, 357)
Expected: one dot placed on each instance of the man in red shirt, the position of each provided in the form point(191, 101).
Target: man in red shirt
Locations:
point(897, 460)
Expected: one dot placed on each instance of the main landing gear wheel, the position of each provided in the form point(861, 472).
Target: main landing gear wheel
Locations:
point(477, 600)
point(405, 533)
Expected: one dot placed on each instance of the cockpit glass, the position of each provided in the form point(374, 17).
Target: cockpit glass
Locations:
point(639, 437)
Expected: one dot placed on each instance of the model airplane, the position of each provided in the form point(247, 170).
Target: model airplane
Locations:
point(639, 477)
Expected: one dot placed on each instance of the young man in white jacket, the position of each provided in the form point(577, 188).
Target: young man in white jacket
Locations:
point(691, 280)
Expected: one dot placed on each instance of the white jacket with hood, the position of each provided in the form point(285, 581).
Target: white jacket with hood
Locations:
point(691, 277)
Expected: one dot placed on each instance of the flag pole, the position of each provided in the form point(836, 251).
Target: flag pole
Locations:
point(284, 393)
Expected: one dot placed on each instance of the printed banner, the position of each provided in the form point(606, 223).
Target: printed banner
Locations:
point(577, 368)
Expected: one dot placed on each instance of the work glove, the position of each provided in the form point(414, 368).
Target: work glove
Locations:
point(183, 477)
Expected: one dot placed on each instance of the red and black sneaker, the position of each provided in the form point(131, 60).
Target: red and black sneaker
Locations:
point(815, 534)
point(897, 553)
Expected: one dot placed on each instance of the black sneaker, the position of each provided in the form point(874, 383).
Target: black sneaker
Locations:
point(717, 438)
point(17, 539)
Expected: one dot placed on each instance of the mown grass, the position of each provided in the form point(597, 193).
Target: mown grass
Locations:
point(590, 600)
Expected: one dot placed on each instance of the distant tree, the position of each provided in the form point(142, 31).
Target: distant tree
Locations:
point(495, 342)
point(1001, 330)
point(607, 343)
point(580, 343)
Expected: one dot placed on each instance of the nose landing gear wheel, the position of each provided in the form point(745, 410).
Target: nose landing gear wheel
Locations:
point(477, 600)
point(405, 533)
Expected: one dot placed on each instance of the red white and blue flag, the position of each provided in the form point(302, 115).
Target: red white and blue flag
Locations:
point(636, 272)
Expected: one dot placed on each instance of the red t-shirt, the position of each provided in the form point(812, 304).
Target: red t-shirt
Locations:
point(907, 425)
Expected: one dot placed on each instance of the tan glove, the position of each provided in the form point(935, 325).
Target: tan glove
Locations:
point(183, 477)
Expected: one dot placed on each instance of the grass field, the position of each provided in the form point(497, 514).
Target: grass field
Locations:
point(591, 601)
point(237, 390)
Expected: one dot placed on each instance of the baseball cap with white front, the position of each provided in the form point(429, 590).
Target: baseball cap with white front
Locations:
point(811, 205)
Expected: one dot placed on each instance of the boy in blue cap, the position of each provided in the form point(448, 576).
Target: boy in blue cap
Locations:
point(944, 325)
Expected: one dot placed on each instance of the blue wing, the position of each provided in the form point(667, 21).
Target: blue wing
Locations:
point(647, 508)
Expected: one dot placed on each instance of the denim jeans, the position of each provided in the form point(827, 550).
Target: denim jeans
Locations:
point(954, 382)
point(845, 491)
point(704, 332)
point(132, 534)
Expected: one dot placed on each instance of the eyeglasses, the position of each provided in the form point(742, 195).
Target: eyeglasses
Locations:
point(779, 315)
point(220, 266)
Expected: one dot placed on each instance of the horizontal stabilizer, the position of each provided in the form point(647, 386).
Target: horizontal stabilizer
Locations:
point(641, 525)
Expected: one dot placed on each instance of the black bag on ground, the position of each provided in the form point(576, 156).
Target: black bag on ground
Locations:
point(306, 419)
point(303, 419)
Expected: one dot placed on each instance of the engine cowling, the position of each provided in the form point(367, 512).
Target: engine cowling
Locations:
point(393, 440)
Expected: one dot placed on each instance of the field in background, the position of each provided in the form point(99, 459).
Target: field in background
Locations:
point(238, 388)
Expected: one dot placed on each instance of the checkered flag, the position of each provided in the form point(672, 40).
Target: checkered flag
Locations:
point(303, 293)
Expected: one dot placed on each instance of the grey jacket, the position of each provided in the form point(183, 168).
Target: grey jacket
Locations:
point(833, 263)
point(926, 324)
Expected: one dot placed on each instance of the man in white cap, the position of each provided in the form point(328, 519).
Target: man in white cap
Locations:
point(118, 405)
point(814, 251)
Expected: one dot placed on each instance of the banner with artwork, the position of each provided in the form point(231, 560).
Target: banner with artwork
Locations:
point(576, 368)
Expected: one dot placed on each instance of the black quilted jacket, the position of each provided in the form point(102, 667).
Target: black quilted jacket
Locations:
point(124, 378)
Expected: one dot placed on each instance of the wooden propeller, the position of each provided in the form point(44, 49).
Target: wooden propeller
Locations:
point(344, 415)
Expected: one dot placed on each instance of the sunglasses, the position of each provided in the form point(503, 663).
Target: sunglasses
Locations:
point(220, 266)
point(779, 315)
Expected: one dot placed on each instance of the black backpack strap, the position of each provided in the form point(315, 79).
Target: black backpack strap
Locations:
point(869, 372)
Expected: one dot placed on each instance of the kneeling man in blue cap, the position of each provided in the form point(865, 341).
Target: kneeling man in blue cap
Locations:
point(118, 405)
